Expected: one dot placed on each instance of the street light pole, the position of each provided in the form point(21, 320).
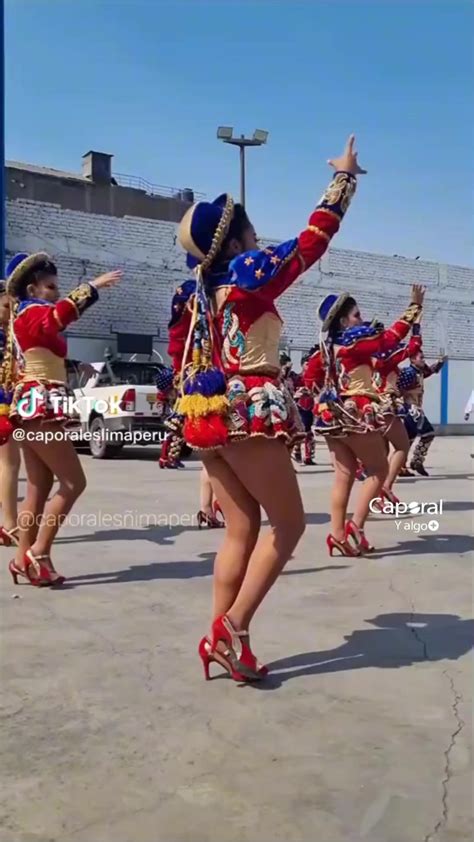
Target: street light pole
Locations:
point(225, 133)
point(242, 175)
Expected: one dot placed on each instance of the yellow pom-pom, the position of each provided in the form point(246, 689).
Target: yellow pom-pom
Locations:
point(195, 406)
point(4, 409)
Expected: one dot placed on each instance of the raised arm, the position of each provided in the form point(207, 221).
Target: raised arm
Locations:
point(271, 271)
point(387, 340)
point(434, 368)
point(391, 362)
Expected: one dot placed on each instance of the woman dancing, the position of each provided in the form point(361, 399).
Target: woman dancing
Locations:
point(350, 413)
point(304, 453)
point(10, 451)
point(386, 366)
point(39, 403)
point(224, 337)
point(411, 384)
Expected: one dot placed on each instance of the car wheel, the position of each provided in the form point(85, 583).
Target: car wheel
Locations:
point(98, 444)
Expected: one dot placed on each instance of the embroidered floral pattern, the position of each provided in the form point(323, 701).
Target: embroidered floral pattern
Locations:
point(337, 197)
point(234, 339)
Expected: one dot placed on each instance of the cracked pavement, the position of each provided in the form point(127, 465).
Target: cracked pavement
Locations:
point(362, 734)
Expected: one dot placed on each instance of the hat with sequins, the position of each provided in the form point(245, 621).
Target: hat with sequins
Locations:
point(204, 228)
point(20, 266)
point(329, 308)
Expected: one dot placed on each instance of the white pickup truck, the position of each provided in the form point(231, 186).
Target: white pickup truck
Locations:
point(118, 406)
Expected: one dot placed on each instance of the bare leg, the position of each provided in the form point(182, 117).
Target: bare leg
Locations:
point(264, 469)
point(398, 438)
point(39, 483)
point(9, 470)
point(61, 459)
point(205, 492)
point(370, 448)
point(345, 466)
point(242, 517)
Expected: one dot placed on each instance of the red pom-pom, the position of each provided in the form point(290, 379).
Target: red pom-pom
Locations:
point(259, 425)
point(326, 416)
point(206, 432)
point(6, 429)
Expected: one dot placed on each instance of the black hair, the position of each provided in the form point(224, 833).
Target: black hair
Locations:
point(240, 222)
point(41, 271)
point(342, 313)
point(305, 357)
point(3, 288)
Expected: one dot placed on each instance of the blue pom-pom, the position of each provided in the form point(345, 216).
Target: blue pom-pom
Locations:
point(5, 397)
point(327, 395)
point(207, 383)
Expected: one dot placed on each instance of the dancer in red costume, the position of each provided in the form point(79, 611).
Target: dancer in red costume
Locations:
point(386, 366)
point(351, 414)
point(224, 336)
point(38, 403)
point(10, 450)
point(304, 401)
point(313, 378)
point(411, 384)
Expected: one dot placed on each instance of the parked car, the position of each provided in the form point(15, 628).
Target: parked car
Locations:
point(118, 405)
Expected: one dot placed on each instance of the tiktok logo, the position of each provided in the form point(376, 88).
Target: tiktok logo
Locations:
point(27, 406)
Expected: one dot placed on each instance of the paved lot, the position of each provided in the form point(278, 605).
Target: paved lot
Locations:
point(110, 734)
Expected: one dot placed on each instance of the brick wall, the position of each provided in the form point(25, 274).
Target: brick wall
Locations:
point(85, 245)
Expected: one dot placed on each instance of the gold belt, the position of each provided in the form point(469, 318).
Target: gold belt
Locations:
point(41, 364)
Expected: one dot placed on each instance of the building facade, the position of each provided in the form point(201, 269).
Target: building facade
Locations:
point(97, 221)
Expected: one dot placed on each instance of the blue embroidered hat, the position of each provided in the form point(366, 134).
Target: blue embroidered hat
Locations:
point(164, 378)
point(204, 228)
point(329, 308)
point(19, 266)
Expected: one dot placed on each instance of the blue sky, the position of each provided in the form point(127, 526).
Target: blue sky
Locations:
point(150, 81)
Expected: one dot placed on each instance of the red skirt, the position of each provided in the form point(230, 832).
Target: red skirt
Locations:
point(352, 414)
point(258, 405)
point(262, 406)
point(34, 400)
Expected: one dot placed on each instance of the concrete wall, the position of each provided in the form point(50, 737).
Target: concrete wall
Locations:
point(85, 244)
point(78, 194)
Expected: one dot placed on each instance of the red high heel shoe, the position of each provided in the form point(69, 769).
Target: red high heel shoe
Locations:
point(169, 463)
point(208, 656)
point(357, 535)
point(388, 494)
point(36, 573)
point(343, 547)
point(211, 521)
point(8, 537)
point(218, 513)
point(238, 652)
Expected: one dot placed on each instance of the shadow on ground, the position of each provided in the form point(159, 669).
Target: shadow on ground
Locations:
point(428, 544)
point(398, 640)
point(202, 567)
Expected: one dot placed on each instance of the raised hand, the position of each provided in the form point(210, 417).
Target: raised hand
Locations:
point(109, 279)
point(347, 162)
point(417, 294)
